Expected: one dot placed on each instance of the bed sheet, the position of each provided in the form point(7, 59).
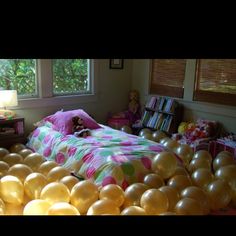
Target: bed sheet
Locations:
point(107, 156)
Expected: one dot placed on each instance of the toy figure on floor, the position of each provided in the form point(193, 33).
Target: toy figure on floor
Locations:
point(79, 129)
point(133, 114)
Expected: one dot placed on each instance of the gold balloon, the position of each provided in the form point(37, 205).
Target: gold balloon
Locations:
point(55, 192)
point(144, 131)
point(34, 160)
point(21, 171)
point(233, 195)
point(4, 167)
point(12, 209)
point(57, 173)
point(167, 213)
point(164, 163)
point(172, 195)
point(36, 207)
point(126, 129)
point(203, 154)
point(113, 192)
point(222, 160)
point(171, 144)
point(133, 210)
point(83, 195)
point(12, 190)
point(202, 177)
point(199, 195)
point(153, 180)
point(104, 207)
point(2, 207)
point(154, 202)
point(224, 153)
point(179, 182)
point(185, 152)
point(12, 159)
point(17, 147)
point(3, 152)
point(34, 183)
point(147, 136)
point(158, 135)
point(133, 194)
point(25, 152)
point(227, 173)
point(199, 163)
point(69, 181)
point(219, 194)
point(62, 208)
point(164, 140)
point(188, 206)
point(180, 171)
point(26, 199)
point(46, 166)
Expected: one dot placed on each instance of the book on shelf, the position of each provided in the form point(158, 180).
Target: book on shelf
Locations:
point(151, 103)
point(161, 113)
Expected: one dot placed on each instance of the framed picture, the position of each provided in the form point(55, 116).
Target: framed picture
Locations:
point(116, 63)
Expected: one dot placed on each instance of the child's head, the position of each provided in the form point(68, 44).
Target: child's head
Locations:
point(77, 120)
point(134, 95)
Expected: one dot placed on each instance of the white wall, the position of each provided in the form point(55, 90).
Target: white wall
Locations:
point(192, 110)
point(112, 96)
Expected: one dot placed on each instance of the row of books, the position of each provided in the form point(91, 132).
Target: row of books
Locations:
point(160, 121)
point(162, 104)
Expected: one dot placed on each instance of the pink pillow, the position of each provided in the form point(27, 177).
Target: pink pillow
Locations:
point(62, 121)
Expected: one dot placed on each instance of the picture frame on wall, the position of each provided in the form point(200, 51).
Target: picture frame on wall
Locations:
point(116, 63)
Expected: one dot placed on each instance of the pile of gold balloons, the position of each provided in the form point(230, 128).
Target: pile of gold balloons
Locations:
point(30, 185)
point(155, 136)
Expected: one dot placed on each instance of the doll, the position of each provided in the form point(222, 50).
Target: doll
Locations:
point(79, 129)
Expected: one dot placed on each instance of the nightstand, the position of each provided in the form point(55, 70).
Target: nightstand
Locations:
point(12, 131)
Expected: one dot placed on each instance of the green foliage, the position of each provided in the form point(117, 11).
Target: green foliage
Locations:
point(70, 76)
point(18, 74)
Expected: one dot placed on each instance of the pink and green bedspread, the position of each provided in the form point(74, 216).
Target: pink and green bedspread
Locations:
point(107, 156)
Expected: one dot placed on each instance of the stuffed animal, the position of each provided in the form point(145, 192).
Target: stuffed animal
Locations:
point(79, 129)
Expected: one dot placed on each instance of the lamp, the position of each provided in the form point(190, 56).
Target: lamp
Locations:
point(8, 98)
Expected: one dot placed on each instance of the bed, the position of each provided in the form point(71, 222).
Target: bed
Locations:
point(107, 156)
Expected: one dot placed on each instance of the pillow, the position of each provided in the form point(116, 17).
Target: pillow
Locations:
point(62, 121)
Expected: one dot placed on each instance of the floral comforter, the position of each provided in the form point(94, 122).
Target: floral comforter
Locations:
point(107, 156)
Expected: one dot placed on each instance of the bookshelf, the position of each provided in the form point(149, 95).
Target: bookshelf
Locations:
point(162, 113)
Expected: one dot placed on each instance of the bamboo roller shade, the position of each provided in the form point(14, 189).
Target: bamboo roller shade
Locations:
point(216, 81)
point(167, 77)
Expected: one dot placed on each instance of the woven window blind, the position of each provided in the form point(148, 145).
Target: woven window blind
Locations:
point(216, 81)
point(167, 77)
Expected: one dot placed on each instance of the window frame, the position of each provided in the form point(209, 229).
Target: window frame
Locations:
point(45, 88)
point(208, 96)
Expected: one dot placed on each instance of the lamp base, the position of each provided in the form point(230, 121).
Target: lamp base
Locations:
point(7, 114)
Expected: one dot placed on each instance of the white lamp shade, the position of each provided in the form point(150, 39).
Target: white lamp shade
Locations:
point(8, 98)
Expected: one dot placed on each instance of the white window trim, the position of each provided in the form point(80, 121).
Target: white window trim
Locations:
point(45, 89)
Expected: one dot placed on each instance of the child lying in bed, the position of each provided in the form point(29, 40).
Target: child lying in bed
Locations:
point(79, 129)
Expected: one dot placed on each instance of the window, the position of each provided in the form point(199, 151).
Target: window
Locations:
point(167, 77)
point(216, 81)
point(19, 74)
point(46, 78)
point(70, 76)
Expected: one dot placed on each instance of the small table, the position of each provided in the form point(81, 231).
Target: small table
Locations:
point(12, 131)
